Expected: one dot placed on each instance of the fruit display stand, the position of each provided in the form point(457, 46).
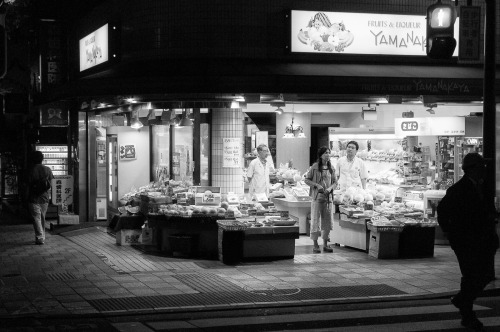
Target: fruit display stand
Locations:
point(350, 229)
point(298, 210)
point(384, 241)
point(237, 241)
point(270, 242)
point(194, 235)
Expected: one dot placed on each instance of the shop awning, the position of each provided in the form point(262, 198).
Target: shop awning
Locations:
point(302, 81)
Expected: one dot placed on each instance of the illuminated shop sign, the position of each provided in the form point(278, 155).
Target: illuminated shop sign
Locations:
point(436, 126)
point(94, 48)
point(357, 33)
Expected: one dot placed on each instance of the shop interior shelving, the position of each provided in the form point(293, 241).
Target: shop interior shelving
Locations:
point(448, 154)
point(465, 146)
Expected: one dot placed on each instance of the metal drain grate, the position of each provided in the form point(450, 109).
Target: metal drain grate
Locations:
point(61, 276)
point(228, 297)
point(206, 282)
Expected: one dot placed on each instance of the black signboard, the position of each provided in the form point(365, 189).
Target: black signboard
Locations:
point(54, 115)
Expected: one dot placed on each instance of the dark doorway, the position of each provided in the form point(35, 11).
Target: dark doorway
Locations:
point(319, 138)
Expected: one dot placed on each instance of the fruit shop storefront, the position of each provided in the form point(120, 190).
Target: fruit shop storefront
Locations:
point(211, 90)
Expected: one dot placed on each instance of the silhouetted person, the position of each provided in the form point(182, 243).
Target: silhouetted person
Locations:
point(469, 220)
point(38, 194)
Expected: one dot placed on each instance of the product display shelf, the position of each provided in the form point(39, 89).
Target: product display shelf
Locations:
point(55, 157)
point(447, 156)
point(467, 145)
point(412, 163)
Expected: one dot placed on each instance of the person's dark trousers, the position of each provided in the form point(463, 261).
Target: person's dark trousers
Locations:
point(475, 268)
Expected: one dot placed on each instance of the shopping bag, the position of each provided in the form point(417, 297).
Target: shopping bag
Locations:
point(146, 234)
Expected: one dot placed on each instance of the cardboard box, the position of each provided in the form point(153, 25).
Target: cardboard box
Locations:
point(68, 219)
point(384, 244)
point(301, 194)
point(126, 237)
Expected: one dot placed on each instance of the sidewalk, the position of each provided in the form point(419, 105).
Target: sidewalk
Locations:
point(83, 272)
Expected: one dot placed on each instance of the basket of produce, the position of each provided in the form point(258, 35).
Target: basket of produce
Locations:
point(278, 221)
point(231, 225)
point(382, 224)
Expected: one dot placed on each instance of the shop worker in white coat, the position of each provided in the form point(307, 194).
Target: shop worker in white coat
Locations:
point(259, 170)
point(351, 170)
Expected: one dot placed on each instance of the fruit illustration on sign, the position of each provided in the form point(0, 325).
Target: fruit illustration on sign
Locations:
point(324, 36)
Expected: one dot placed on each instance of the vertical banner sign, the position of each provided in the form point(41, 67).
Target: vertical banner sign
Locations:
point(470, 32)
point(62, 190)
point(231, 152)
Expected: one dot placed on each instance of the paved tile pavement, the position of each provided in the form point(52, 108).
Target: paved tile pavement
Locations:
point(84, 272)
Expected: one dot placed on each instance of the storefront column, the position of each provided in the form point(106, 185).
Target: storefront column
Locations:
point(226, 123)
point(489, 108)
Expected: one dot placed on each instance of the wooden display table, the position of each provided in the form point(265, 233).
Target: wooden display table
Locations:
point(298, 210)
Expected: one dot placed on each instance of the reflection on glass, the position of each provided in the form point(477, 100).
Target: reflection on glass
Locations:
point(182, 158)
point(160, 153)
point(204, 153)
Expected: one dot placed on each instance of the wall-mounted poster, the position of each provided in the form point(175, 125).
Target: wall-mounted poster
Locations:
point(231, 152)
point(127, 152)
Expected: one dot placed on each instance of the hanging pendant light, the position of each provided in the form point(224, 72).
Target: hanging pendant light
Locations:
point(136, 123)
point(294, 130)
point(185, 121)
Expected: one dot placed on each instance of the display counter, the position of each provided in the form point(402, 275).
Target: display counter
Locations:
point(200, 233)
point(298, 210)
point(200, 237)
point(352, 233)
point(270, 242)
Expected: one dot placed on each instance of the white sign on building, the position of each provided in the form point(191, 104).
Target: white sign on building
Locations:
point(94, 48)
point(359, 33)
point(62, 190)
point(438, 126)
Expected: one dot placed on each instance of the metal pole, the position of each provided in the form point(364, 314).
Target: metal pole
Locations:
point(489, 110)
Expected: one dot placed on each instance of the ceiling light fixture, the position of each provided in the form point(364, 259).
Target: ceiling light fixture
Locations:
point(294, 130)
point(136, 123)
point(278, 111)
point(185, 121)
point(430, 109)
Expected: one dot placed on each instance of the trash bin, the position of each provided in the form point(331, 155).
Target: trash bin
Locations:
point(230, 241)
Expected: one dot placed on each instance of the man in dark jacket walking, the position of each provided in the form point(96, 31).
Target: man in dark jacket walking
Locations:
point(470, 221)
point(38, 195)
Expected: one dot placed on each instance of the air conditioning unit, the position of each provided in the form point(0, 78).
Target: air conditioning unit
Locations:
point(101, 209)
